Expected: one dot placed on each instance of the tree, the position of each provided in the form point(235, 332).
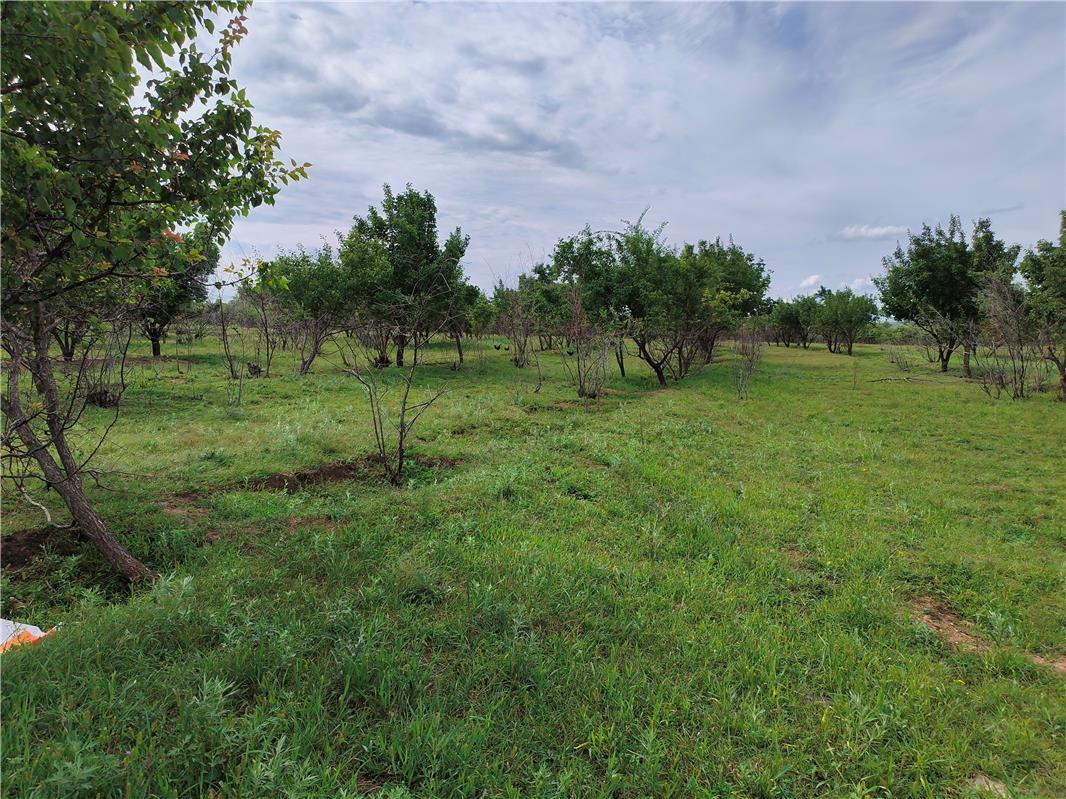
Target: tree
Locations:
point(784, 322)
point(466, 316)
point(732, 284)
point(1006, 332)
point(184, 284)
point(421, 268)
point(1044, 269)
point(936, 282)
point(513, 312)
point(374, 298)
point(647, 286)
point(98, 176)
point(806, 318)
point(319, 296)
point(588, 260)
point(843, 317)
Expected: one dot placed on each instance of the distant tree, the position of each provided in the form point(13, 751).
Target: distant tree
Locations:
point(514, 319)
point(1044, 269)
point(588, 260)
point(319, 296)
point(422, 270)
point(99, 173)
point(731, 284)
point(1006, 332)
point(843, 317)
point(181, 284)
point(806, 318)
point(374, 299)
point(549, 301)
point(936, 282)
point(467, 315)
point(648, 285)
point(784, 322)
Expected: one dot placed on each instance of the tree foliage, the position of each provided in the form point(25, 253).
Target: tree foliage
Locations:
point(1044, 269)
point(99, 176)
point(936, 282)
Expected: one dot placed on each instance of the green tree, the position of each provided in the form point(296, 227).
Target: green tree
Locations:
point(319, 297)
point(588, 260)
point(424, 273)
point(936, 282)
point(183, 285)
point(648, 283)
point(98, 173)
point(843, 317)
point(784, 322)
point(1044, 269)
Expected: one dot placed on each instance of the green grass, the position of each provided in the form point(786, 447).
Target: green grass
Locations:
point(663, 593)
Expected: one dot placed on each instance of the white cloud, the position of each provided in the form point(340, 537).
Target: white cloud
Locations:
point(810, 281)
point(771, 123)
point(861, 285)
point(872, 232)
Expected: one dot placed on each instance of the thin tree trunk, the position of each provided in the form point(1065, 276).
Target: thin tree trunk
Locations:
point(459, 346)
point(655, 365)
point(620, 356)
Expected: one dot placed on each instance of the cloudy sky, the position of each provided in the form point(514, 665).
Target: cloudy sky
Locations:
point(814, 134)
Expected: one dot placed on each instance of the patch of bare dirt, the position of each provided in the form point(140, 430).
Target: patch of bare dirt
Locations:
point(294, 481)
point(340, 471)
point(579, 404)
point(1056, 664)
point(987, 785)
point(22, 547)
point(954, 630)
point(465, 429)
point(796, 558)
point(183, 505)
point(947, 624)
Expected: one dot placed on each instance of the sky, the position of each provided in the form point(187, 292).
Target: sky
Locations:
point(814, 134)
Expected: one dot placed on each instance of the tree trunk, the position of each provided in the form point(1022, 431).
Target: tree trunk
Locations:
point(64, 476)
point(944, 356)
point(659, 374)
point(92, 527)
point(620, 356)
point(966, 362)
point(1061, 364)
point(656, 366)
point(156, 349)
point(401, 342)
point(305, 364)
point(459, 346)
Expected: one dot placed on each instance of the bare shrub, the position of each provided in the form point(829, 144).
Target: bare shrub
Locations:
point(748, 346)
point(517, 323)
point(362, 355)
point(1009, 356)
point(231, 339)
point(105, 377)
point(900, 356)
point(589, 346)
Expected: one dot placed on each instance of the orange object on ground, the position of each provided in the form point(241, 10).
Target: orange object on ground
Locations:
point(13, 634)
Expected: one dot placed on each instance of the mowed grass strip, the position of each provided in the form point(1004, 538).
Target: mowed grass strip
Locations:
point(663, 593)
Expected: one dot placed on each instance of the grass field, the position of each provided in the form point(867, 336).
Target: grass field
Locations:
point(841, 586)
